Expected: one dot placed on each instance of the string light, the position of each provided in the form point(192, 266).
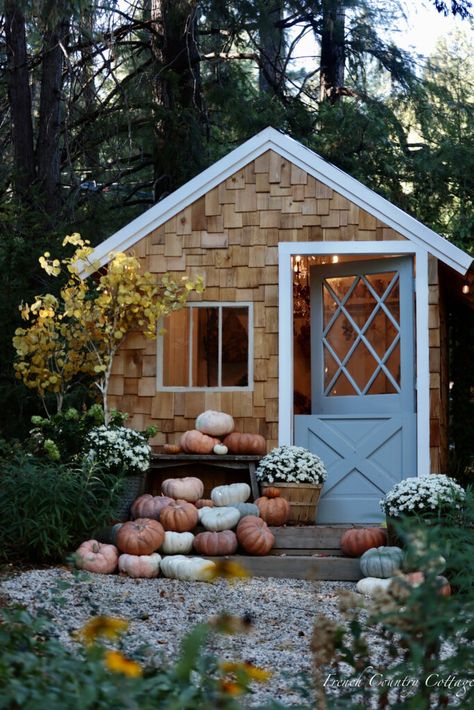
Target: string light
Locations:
point(465, 288)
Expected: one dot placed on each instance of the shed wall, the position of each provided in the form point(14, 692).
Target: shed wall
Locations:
point(230, 236)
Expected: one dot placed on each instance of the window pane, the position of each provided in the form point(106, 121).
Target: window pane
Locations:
point(205, 346)
point(235, 347)
point(176, 349)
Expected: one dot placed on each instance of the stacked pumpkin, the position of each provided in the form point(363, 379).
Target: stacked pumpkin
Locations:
point(382, 565)
point(214, 433)
point(164, 525)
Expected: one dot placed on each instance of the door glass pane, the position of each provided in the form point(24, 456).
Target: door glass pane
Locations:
point(361, 366)
point(360, 304)
point(382, 385)
point(393, 363)
point(341, 335)
point(330, 368)
point(393, 301)
point(380, 282)
point(235, 347)
point(340, 287)
point(176, 349)
point(381, 333)
point(205, 346)
point(342, 387)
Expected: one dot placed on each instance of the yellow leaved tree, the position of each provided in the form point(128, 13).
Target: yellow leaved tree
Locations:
point(80, 331)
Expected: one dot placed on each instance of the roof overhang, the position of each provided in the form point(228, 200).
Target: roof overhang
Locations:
point(313, 164)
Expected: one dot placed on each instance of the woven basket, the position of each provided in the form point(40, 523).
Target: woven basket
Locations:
point(303, 499)
point(133, 486)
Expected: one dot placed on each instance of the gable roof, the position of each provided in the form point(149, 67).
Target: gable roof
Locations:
point(307, 160)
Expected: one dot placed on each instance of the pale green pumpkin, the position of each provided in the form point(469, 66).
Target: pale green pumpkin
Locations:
point(381, 562)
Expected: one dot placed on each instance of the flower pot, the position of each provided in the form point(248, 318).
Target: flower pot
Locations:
point(394, 537)
point(133, 486)
point(303, 499)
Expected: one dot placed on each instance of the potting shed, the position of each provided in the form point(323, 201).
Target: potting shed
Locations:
point(322, 323)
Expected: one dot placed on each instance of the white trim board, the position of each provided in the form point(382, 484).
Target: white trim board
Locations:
point(313, 164)
point(285, 331)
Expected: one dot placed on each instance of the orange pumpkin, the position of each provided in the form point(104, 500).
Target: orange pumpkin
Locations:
point(194, 442)
point(204, 503)
point(251, 444)
point(216, 543)
point(271, 492)
point(179, 516)
point(254, 535)
point(442, 584)
point(171, 449)
point(140, 537)
point(93, 556)
point(275, 511)
point(148, 506)
point(356, 541)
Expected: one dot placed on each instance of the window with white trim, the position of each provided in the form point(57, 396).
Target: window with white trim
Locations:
point(207, 346)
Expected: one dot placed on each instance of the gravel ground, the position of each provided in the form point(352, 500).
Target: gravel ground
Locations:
point(160, 612)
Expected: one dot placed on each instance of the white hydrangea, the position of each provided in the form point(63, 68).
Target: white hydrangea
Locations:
point(424, 494)
point(119, 448)
point(291, 464)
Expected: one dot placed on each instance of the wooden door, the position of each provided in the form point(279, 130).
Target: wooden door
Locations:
point(363, 421)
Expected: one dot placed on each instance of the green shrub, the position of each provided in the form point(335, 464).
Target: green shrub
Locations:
point(38, 672)
point(47, 509)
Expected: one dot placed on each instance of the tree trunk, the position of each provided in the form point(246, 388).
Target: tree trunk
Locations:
point(48, 147)
point(19, 98)
point(272, 49)
point(177, 93)
point(332, 50)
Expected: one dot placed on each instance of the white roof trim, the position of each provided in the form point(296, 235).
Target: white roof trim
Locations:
point(313, 164)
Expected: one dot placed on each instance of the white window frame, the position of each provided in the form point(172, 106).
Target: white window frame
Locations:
point(286, 250)
point(208, 304)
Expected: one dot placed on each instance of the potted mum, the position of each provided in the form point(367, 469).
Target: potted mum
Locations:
point(299, 475)
point(426, 498)
point(126, 453)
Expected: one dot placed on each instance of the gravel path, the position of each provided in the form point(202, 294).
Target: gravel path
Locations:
point(160, 612)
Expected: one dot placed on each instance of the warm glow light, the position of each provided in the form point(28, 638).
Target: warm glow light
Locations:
point(465, 288)
point(298, 259)
point(335, 259)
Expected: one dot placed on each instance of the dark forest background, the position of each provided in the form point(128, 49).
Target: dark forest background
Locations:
point(108, 106)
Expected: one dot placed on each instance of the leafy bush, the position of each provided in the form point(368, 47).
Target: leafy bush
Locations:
point(36, 671)
point(408, 647)
point(47, 509)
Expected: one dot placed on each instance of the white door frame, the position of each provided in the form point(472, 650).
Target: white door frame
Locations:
point(285, 331)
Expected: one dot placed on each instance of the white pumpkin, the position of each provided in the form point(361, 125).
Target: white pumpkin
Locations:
point(190, 569)
point(140, 566)
point(217, 519)
point(177, 543)
point(220, 449)
point(215, 423)
point(369, 585)
point(228, 495)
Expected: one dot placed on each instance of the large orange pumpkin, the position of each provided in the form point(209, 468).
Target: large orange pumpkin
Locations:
point(140, 537)
point(254, 535)
point(194, 442)
point(356, 541)
point(216, 543)
point(179, 516)
point(275, 511)
point(148, 506)
point(251, 444)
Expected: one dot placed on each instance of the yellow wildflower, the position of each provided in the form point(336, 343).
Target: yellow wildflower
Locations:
point(117, 663)
point(230, 687)
point(228, 570)
point(106, 626)
point(252, 672)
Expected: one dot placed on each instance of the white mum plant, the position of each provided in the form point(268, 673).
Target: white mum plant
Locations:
point(119, 448)
point(424, 495)
point(291, 464)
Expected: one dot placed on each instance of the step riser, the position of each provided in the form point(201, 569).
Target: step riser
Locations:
point(337, 569)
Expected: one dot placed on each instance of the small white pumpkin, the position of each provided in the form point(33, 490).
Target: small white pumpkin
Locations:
point(192, 569)
point(140, 566)
point(215, 423)
point(369, 585)
point(228, 495)
point(220, 449)
point(177, 543)
point(217, 519)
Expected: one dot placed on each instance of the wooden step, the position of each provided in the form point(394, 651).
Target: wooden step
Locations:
point(314, 537)
point(339, 569)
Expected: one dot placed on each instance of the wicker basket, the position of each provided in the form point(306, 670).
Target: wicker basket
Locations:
point(303, 498)
point(133, 486)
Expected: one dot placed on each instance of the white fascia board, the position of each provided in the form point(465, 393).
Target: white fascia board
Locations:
point(306, 159)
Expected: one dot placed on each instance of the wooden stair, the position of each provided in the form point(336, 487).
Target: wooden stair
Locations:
point(304, 552)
